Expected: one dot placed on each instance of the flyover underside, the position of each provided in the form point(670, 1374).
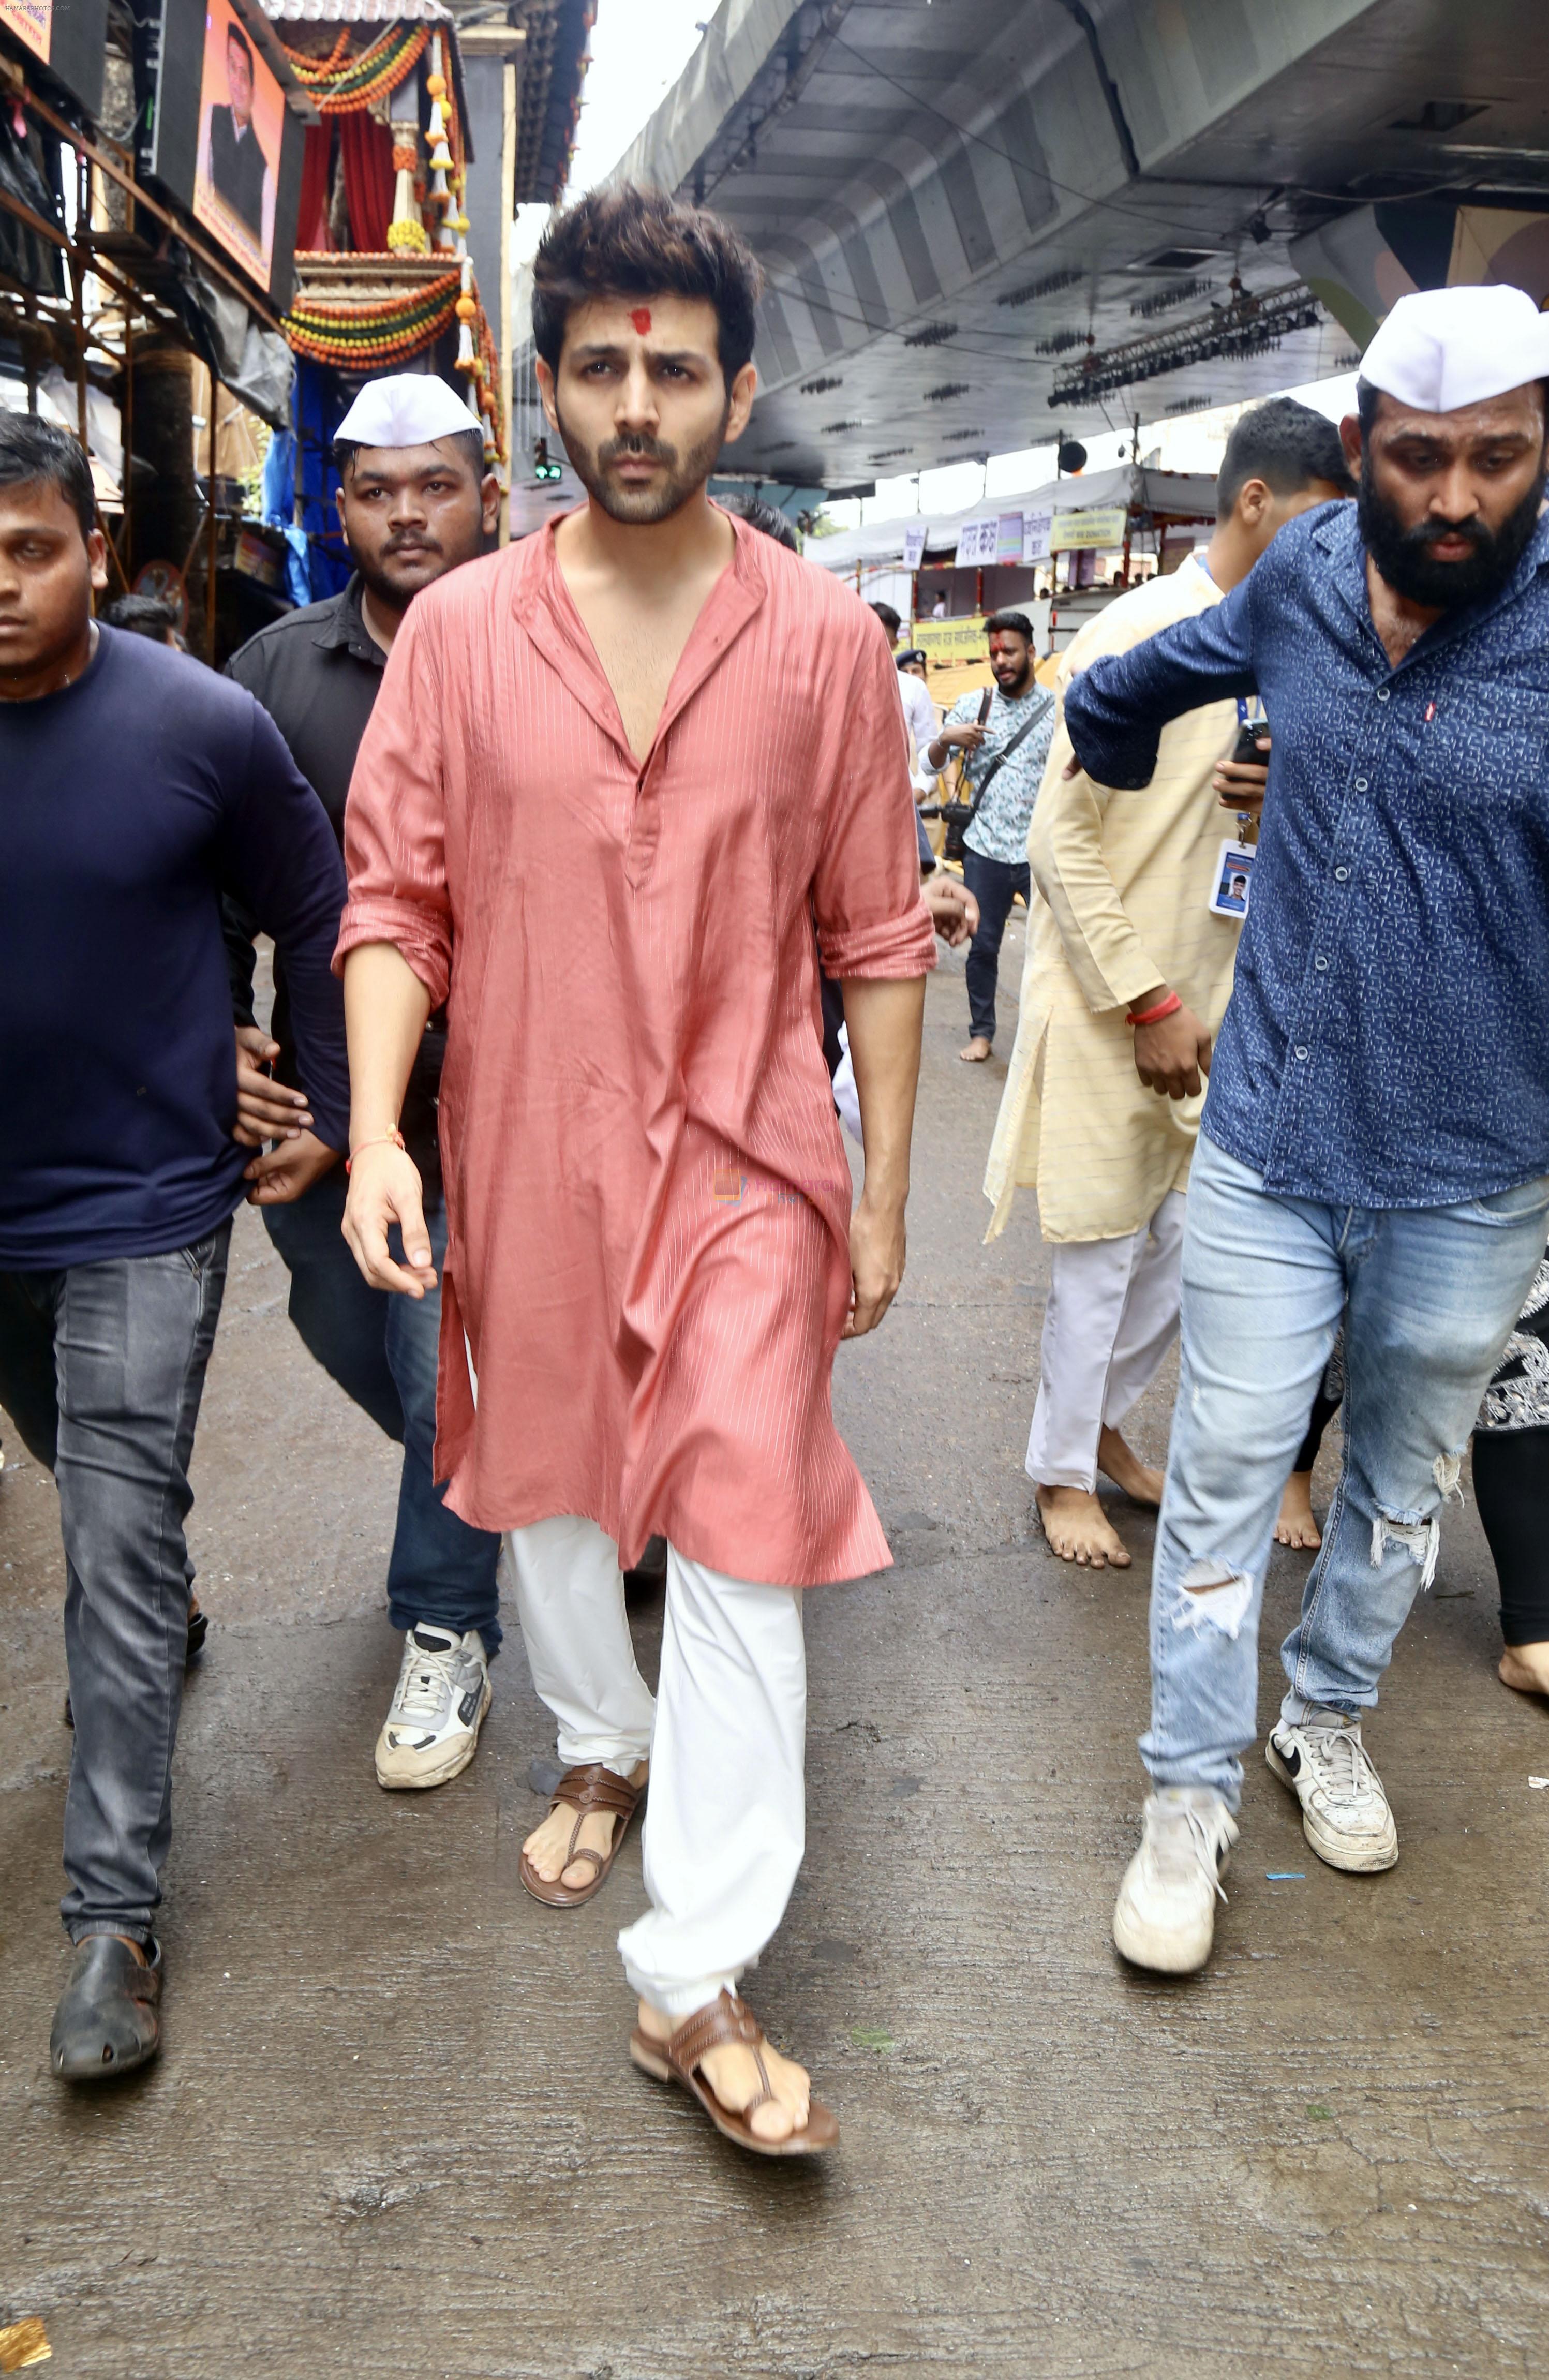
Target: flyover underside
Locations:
point(964, 212)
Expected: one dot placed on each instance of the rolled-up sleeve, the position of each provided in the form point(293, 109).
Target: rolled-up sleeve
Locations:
point(871, 920)
point(1116, 711)
point(395, 820)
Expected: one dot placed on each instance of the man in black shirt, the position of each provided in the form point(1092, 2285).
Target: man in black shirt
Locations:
point(136, 784)
point(415, 502)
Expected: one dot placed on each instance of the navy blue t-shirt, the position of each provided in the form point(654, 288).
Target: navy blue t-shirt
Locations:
point(126, 802)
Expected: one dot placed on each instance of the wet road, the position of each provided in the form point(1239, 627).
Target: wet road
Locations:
point(395, 2127)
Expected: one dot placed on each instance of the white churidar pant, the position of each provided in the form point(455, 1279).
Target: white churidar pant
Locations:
point(1111, 1316)
point(725, 1822)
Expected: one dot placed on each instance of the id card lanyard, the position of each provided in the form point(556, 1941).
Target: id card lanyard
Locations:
point(1245, 827)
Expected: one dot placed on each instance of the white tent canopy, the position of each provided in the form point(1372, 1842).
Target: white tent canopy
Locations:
point(1182, 495)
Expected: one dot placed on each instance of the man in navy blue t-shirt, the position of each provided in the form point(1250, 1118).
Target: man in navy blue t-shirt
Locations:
point(134, 784)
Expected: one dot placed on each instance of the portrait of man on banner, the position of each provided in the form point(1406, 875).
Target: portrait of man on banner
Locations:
point(241, 122)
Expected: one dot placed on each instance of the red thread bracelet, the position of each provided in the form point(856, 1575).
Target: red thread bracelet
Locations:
point(1168, 1007)
point(379, 1140)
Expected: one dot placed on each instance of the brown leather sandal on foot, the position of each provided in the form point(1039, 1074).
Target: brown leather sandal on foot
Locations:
point(591, 1792)
point(677, 2060)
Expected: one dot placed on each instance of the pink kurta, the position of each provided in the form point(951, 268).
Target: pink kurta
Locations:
point(648, 1196)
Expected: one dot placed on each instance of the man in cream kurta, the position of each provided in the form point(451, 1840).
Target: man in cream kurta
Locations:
point(1127, 977)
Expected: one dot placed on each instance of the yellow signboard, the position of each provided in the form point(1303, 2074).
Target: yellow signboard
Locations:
point(31, 21)
point(951, 640)
point(1087, 532)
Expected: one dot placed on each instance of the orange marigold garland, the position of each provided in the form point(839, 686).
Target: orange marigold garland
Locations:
point(373, 336)
point(343, 86)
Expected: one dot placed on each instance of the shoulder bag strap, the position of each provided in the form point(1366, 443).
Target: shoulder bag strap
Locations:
point(1033, 720)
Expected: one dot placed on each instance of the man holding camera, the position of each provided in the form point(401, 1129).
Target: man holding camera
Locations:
point(1128, 969)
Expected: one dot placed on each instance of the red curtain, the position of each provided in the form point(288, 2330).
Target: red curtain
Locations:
point(365, 147)
point(311, 222)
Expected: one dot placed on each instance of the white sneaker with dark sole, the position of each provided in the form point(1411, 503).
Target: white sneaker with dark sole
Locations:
point(1345, 1814)
point(1165, 1917)
point(431, 1729)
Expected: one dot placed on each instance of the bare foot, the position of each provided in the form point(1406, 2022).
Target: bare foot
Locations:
point(732, 2072)
point(1296, 1525)
point(977, 1051)
point(548, 1844)
point(1079, 1530)
point(1119, 1463)
point(1525, 1666)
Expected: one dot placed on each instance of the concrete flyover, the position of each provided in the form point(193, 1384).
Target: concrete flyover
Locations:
point(966, 212)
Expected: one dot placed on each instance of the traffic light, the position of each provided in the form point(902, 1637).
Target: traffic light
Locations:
point(541, 467)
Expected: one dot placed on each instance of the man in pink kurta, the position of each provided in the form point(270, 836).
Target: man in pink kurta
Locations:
point(647, 1193)
point(625, 782)
point(646, 1179)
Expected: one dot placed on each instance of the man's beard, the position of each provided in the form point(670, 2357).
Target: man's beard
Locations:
point(1401, 557)
point(641, 507)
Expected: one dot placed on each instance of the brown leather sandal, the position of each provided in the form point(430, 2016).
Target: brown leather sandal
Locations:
point(677, 2060)
point(591, 1792)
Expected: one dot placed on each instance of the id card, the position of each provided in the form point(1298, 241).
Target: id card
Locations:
point(1234, 872)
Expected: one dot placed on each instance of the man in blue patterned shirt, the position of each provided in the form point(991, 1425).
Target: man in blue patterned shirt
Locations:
point(1003, 765)
point(1375, 1140)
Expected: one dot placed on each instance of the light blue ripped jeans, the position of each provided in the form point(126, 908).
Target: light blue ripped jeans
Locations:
point(1429, 1296)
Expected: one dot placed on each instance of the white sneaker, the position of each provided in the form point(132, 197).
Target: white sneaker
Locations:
point(431, 1729)
point(1345, 1814)
point(1165, 1916)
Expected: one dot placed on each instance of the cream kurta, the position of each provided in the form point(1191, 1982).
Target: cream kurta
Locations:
point(1122, 883)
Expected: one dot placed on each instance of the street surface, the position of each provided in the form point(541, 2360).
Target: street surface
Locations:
point(395, 2128)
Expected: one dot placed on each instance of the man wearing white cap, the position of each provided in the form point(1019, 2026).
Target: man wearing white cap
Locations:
point(1375, 1138)
point(414, 503)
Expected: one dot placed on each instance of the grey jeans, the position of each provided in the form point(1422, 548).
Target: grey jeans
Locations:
point(101, 1366)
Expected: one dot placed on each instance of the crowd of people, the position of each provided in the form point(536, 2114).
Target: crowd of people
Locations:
point(710, 745)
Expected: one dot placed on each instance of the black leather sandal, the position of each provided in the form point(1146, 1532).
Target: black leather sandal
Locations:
point(106, 2022)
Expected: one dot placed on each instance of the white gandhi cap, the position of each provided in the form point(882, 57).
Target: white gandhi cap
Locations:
point(405, 409)
point(1441, 348)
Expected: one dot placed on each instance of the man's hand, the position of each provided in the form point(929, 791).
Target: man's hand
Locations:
point(1240, 784)
point(965, 738)
point(953, 910)
point(265, 1110)
point(384, 1189)
point(284, 1172)
point(1173, 1055)
point(875, 1265)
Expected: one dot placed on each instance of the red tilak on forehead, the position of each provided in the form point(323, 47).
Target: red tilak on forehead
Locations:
point(641, 317)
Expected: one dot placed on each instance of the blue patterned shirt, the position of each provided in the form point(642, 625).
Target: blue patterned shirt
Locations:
point(1000, 831)
point(1387, 1040)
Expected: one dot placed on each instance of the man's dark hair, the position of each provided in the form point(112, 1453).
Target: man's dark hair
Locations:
point(766, 518)
point(469, 443)
point(235, 40)
point(1009, 623)
point(889, 617)
point(142, 615)
point(634, 243)
point(34, 452)
point(1285, 445)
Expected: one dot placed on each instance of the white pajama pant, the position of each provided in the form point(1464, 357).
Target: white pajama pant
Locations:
point(1112, 1314)
point(725, 1823)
